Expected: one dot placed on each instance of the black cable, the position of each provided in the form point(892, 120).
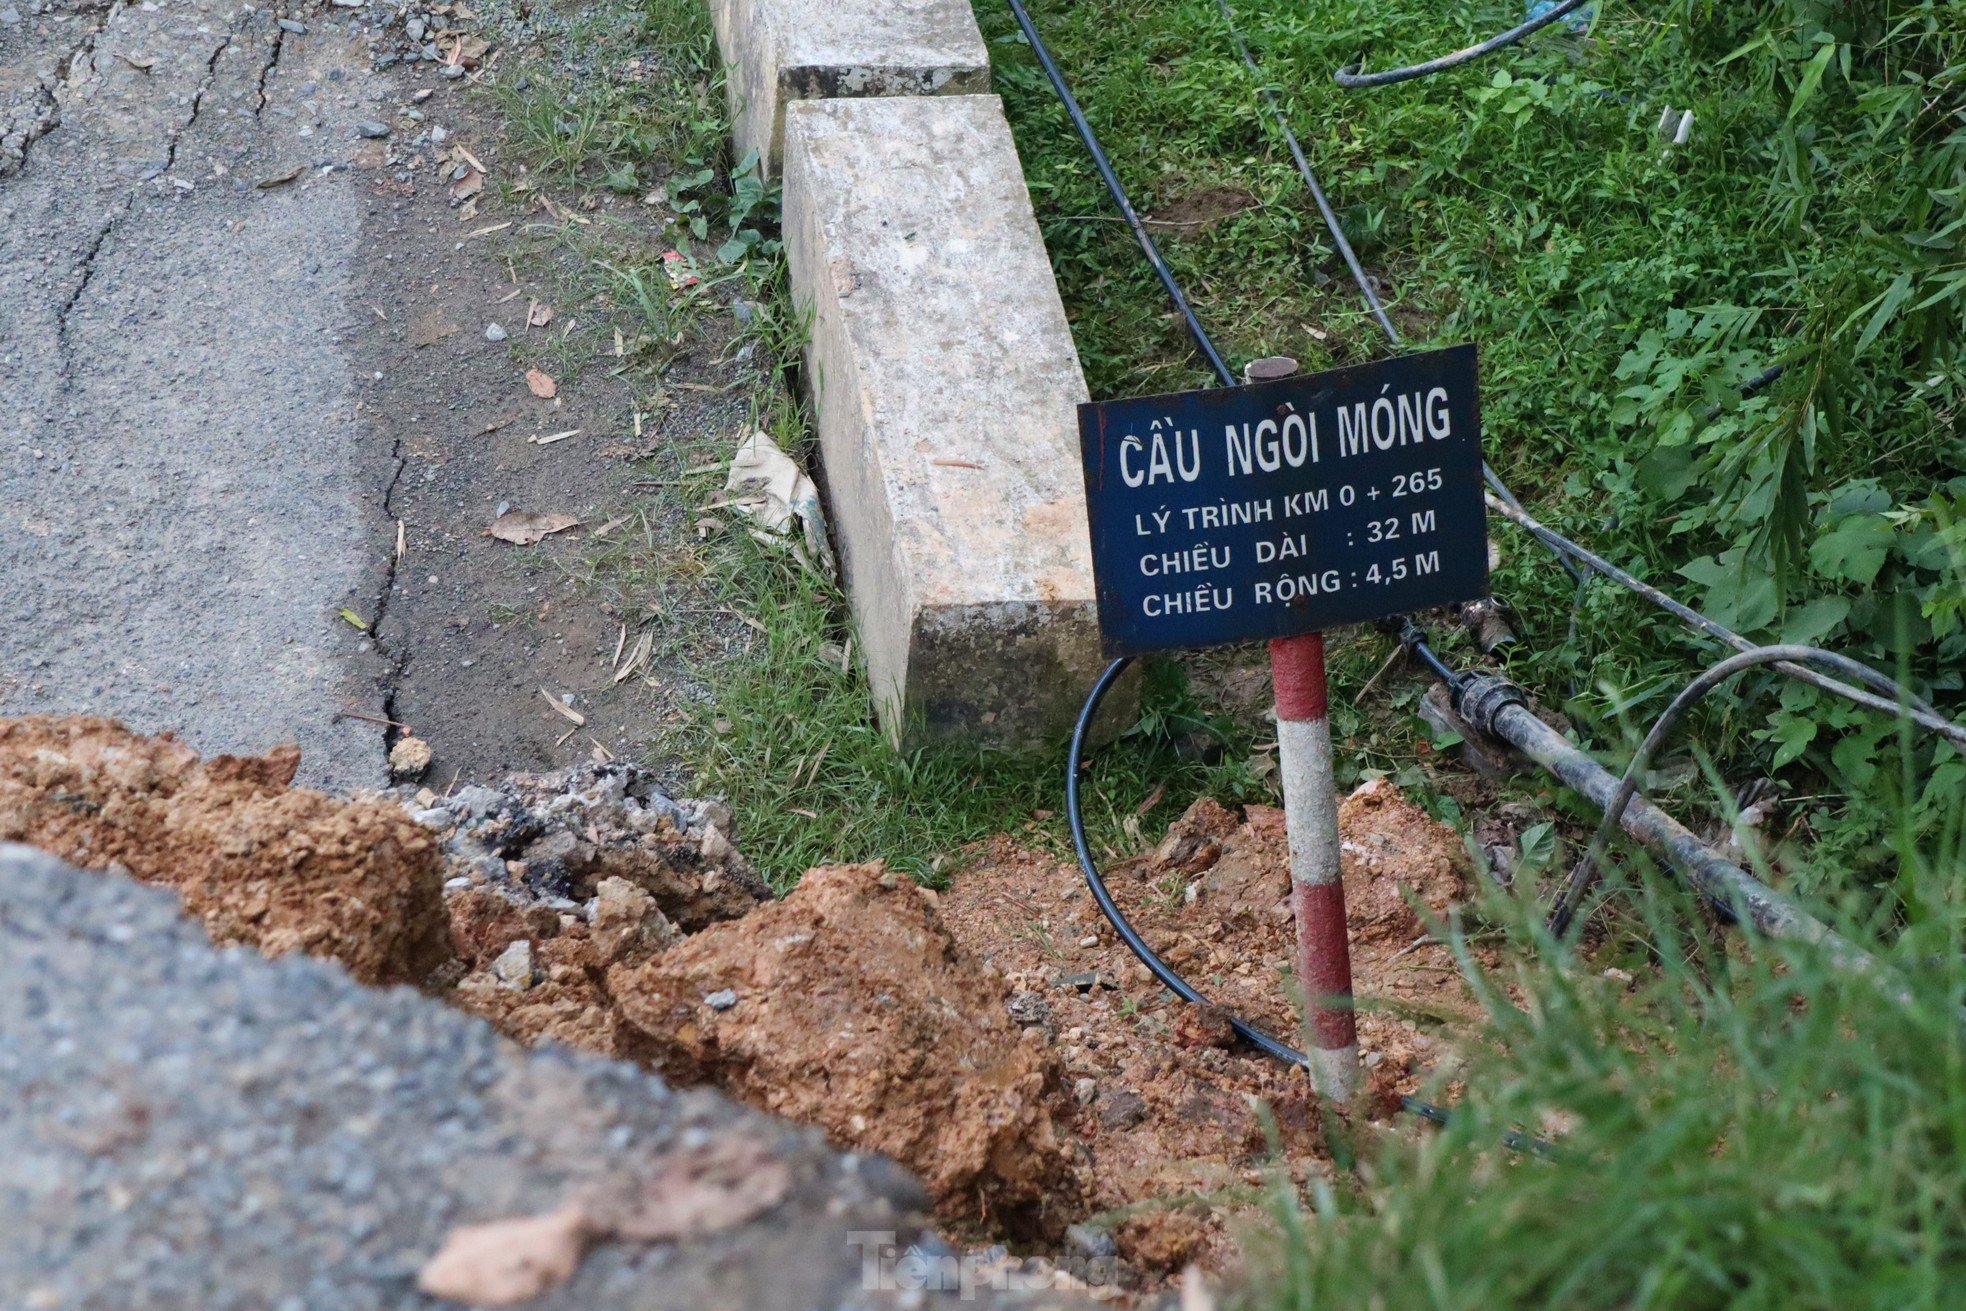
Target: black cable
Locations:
point(1351, 79)
point(1331, 223)
point(1111, 179)
point(1920, 711)
point(1584, 874)
point(1268, 1044)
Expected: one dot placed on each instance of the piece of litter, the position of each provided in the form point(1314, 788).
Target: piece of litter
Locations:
point(563, 708)
point(779, 499)
point(678, 268)
point(355, 619)
point(554, 437)
point(643, 645)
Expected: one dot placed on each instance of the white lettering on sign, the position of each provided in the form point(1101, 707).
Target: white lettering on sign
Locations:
point(1388, 421)
point(1191, 560)
point(1199, 601)
point(1290, 587)
point(1162, 457)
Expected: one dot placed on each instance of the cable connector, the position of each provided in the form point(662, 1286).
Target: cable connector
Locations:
point(1479, 698)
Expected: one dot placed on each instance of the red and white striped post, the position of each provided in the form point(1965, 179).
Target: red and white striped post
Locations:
point(1310, 816)
point(1317, 893)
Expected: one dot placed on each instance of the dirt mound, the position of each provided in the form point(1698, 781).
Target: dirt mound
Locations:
point(849, 1006)
point(282, 868)
point(1170, 1107)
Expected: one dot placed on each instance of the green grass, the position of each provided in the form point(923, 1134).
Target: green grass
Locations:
point(1741, 1126)
point(1616, 289)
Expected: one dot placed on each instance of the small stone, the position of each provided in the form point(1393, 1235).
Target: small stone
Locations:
point(439, 134)
point(1122, 1109)
point(409, 757)
point(1084, 1091)
point(458, 884)
point(1027, 1007)
point(722, 999)
point(1082, 982)
point(293, 25)
point(476, 801)
point(495, 333)
point(452, 72)
point(414, 29)
point(10, 16)
point(626, 919)
point(1089, 940)
point(372, 129)
point(435, 817)
point(513, 967)
point(1089, 1243)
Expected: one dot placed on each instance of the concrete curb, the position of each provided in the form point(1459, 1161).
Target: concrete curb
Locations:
point(942, 369)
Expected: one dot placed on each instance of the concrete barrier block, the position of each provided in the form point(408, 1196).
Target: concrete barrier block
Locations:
point(780, 51)
point(945, 383)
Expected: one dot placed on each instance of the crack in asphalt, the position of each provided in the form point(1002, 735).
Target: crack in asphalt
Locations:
point(266, 69)
point(396, 662)
point(116, 216)
point(49, 116)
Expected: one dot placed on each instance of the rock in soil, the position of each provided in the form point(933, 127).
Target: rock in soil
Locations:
point(589, 868)
point(283, 868)
point(861, 1015)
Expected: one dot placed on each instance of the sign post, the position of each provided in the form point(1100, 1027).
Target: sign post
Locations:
point(1277, 510)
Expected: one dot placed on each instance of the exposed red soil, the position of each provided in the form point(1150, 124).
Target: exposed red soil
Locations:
point(854, 1009)
point(1173, 1145)
point(282, 868)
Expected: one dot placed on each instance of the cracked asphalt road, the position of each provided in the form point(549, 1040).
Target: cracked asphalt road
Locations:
point(191, 496)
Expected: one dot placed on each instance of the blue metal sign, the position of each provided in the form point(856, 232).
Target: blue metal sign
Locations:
point(1286, 507)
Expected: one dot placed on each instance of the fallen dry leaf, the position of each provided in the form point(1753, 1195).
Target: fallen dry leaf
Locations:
point(540, 314)
point(643, 646)
point(565, 709)
point(467, 186)
point(542, 384)
point(266, 184)
point(505, 1262)
point(692, 1193)
point(524, 527)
